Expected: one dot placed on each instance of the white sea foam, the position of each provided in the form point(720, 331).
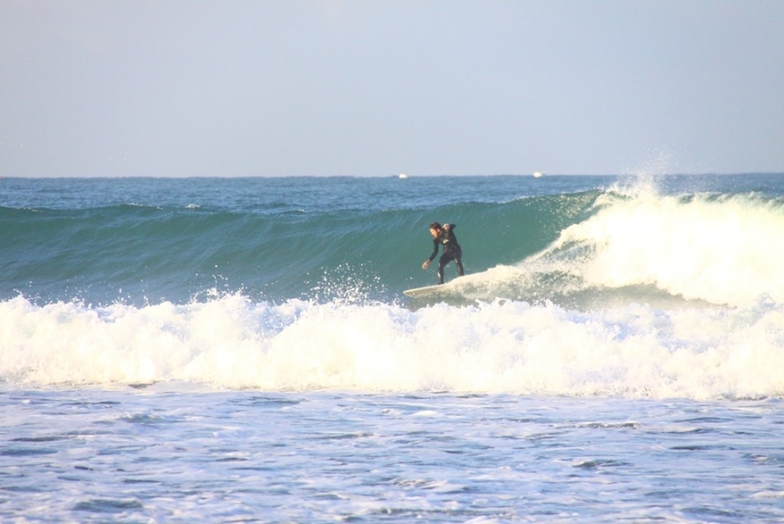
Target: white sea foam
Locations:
point(513, 347)
point(723, 250)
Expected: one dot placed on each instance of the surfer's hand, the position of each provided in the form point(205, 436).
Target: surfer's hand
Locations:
point(426, 264)
point(447, 227)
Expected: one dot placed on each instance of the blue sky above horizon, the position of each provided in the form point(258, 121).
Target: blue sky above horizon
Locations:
point(329, 88)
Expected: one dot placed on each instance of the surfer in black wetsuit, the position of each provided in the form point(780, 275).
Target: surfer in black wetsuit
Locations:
point(446, 237)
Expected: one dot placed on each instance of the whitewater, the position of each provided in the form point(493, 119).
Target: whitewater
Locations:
point(241, 350)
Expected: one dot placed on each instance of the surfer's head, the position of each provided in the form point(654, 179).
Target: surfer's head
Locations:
point(435, 229)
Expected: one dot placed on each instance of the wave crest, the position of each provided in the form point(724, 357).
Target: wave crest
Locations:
point(719, 249)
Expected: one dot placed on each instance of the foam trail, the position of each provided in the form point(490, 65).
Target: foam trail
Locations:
point(501, 347)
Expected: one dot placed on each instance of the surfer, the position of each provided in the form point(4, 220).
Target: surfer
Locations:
point(446, 237)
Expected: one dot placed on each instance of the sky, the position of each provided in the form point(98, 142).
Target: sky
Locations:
point(378, 88)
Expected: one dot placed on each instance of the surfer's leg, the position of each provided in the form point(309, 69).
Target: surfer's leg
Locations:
point(444, 260)
point(457, 256)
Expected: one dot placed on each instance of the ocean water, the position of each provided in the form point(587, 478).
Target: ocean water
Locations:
point(240, 350)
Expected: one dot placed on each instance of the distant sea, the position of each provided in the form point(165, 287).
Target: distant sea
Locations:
point(240, 350)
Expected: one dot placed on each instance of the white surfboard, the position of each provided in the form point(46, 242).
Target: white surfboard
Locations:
point(438, 289)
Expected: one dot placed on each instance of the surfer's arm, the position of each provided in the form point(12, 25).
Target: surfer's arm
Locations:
point(435, 252)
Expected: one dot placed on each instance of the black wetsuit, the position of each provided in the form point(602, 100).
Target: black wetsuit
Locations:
point(452, 251)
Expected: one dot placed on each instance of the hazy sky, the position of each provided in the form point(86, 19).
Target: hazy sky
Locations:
point(376, 88)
